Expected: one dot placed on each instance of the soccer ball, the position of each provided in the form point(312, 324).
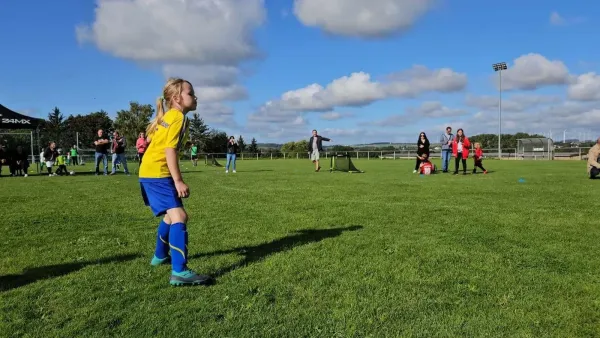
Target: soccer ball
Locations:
point(72, 172)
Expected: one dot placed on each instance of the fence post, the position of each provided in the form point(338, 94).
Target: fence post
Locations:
point(357, 155)
point(580, 158)
point(257, 156)
point(394, 154)
point(297, 155)
point(368, 155)
point(271, 155)
point(381, 155)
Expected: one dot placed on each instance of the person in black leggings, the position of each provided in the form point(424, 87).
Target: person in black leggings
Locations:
point(422, 149)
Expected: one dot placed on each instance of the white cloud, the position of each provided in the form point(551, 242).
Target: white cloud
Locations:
point(427, 110)
point(203, 41)
point(514, 103)
point(176, 31)
point(356, 90)
point(532, 71)
point(216, 113)
point(556, 118)
point(556, 19)
point(332, 116)
point(434, 109)
point(586, 87)
point(359, 18)
point(211, 83)
point(359, 89)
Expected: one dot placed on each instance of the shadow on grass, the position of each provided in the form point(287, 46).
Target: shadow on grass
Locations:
point(10, 282)
point(253, 254)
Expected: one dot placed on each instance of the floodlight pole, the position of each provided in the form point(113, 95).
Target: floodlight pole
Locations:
point(500, 114)
point(499, 67)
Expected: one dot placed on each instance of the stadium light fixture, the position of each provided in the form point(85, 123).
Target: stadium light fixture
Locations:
point(499, 67)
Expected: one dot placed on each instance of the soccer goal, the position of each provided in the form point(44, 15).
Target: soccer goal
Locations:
point(343, 162)
point(211, 160)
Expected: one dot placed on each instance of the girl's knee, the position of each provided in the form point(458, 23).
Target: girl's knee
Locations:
point(177, 215)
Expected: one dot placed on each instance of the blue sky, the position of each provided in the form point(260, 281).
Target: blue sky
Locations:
point(123, 55)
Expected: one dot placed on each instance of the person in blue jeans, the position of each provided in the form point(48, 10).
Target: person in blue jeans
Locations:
point(232, 150)
point(446, 141)
point(102, 144)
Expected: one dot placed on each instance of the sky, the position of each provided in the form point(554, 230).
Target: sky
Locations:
point(357, 71)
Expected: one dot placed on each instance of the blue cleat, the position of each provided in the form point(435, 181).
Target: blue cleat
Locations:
point(158, 261)
point(189, 277)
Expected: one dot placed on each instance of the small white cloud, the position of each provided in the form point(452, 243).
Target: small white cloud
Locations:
point(556, 19)
point(360, 18)
point(533, 71)
point(586, 87)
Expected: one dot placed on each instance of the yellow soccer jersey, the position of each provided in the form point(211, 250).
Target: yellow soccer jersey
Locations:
point(172, 132)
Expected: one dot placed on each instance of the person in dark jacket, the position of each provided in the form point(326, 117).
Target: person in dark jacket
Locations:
point(19, 163)
point(315, 146)
point(422, 149)
point(232, 150)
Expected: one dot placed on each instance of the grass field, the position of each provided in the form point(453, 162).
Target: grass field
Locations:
point(386, 253)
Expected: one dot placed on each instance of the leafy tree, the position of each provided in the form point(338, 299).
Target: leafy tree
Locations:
point(198, 131)
point(54, 126)
point(133, 121)
point(295, 147)
point(216, 142)
point(87, 126)
point(253, 146)
point(241, 143)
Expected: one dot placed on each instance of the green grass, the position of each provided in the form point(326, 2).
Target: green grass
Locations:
point(386, 253)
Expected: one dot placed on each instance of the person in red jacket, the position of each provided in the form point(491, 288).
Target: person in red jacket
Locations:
point(460, 150)
point(478, 158)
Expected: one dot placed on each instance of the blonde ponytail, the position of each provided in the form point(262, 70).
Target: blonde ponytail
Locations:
point(160, 112)
point(172, 88)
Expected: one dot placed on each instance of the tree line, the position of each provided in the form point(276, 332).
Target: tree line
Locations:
point(129, 122)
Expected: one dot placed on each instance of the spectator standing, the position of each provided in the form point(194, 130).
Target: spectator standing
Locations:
point(141, 145)
point(74, 155)
point(460, 150)
point(194, 154)
point(119, 143)
point(422, 150)
point(446, 141)
point(232, 150)
point(102, 143)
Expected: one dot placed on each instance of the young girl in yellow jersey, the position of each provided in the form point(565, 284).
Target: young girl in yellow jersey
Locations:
point(161, 182)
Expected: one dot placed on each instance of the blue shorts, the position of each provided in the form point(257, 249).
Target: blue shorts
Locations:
point(160, 194)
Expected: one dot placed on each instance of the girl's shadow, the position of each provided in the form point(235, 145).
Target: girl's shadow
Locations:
point(253, 254)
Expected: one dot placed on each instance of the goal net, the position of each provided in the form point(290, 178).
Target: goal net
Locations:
point(342, 162)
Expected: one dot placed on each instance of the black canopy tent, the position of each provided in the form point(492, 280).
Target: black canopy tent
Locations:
point(12, 120)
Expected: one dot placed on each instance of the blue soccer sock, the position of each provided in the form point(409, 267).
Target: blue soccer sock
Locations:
point(162, 240)
point(178, 240)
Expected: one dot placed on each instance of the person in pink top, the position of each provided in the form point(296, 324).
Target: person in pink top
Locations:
point(141, 146)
